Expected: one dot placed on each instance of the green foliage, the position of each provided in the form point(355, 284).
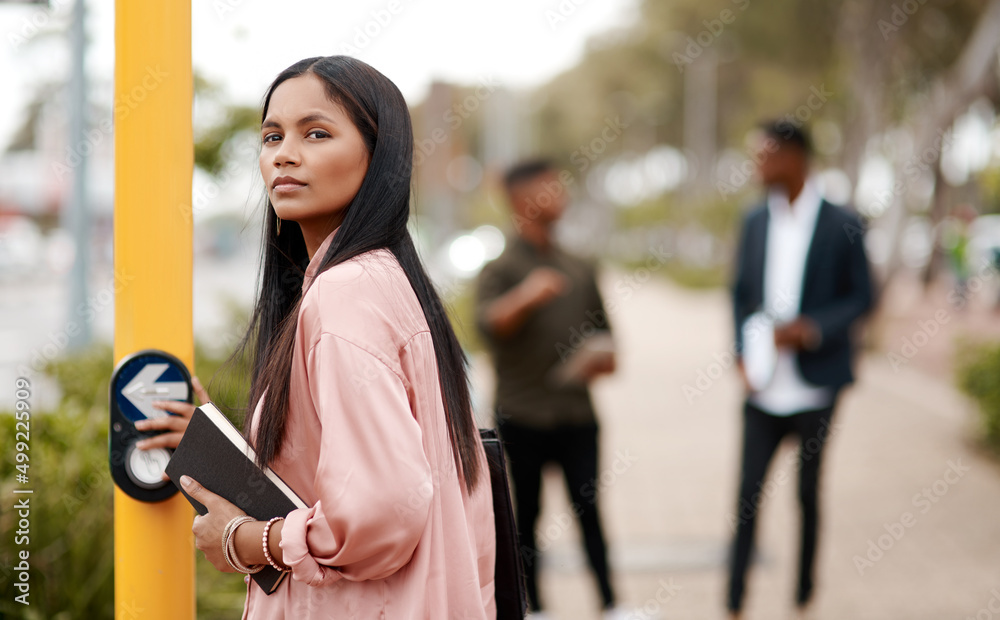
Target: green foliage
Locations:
point(690, 276)
point(72, 519)
point(70, 541)
point(716, 220)
point(227, 383)
point(212, 148)
point(215, 140)
point(979, 377)
point(460, 304)
point(989, 184)
point(770, 55)
point(220, 595)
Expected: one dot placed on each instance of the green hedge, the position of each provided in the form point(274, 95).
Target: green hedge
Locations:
point(71, 516)
point(979, 377)
point(72, 521)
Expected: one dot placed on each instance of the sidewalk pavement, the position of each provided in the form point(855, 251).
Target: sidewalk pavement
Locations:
point(910, 505)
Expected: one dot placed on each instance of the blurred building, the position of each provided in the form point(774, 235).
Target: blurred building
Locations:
point(36, 176)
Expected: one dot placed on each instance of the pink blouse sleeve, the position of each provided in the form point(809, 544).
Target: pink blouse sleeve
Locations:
point(373, 482)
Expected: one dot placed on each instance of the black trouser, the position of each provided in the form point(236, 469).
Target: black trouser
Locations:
point(762, 432)
point(575, 450)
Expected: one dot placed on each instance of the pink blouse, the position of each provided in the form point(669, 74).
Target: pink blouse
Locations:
point(391, 532)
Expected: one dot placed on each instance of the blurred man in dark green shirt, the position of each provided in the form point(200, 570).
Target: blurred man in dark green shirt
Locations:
point(544, 322)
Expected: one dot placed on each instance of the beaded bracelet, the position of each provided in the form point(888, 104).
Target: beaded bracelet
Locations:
point(267, 550)
point(229, 546)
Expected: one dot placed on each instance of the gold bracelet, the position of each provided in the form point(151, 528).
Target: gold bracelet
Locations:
point(229, 546)
point(225, 538)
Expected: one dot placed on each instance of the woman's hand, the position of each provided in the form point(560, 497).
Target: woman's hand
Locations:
point(208, 527)
point(175, 425)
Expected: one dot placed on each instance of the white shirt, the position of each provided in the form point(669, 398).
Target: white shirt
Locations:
point(790, 231)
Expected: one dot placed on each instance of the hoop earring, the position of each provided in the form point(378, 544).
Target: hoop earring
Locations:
point(279, 226)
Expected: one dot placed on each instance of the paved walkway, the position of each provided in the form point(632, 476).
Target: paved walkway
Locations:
point(929, 537)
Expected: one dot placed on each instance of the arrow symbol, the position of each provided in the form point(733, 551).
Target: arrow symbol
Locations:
point(143, 389)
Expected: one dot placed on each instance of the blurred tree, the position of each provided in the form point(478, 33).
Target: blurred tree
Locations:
point(937, 98)
point(871, 76)
point(770, 53)
point(215, 137)
point(861, 69)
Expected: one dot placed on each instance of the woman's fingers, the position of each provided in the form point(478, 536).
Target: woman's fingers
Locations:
point(164, 423)
point(178, 407)
point(163, 440)
point(174, 425)
point(209, 527)
point(200, 493)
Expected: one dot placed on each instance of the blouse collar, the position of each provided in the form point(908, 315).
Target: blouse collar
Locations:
point(317, 259)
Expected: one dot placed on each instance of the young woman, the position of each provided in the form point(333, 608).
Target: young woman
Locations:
point(362, 404)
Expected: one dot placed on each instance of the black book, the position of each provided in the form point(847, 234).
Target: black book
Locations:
point(216, 454)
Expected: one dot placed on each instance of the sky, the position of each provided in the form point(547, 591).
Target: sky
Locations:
point(243, 44)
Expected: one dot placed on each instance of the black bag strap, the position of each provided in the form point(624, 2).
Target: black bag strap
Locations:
point(511, 592)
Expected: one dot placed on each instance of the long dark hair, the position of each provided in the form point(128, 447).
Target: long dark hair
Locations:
point(376, 218)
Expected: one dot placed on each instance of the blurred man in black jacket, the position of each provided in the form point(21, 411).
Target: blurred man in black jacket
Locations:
point(801, 269)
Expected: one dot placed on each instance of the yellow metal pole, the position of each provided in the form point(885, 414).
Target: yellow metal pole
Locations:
point(154, 158)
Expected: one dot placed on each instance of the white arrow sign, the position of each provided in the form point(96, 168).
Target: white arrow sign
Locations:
point(143, 389)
